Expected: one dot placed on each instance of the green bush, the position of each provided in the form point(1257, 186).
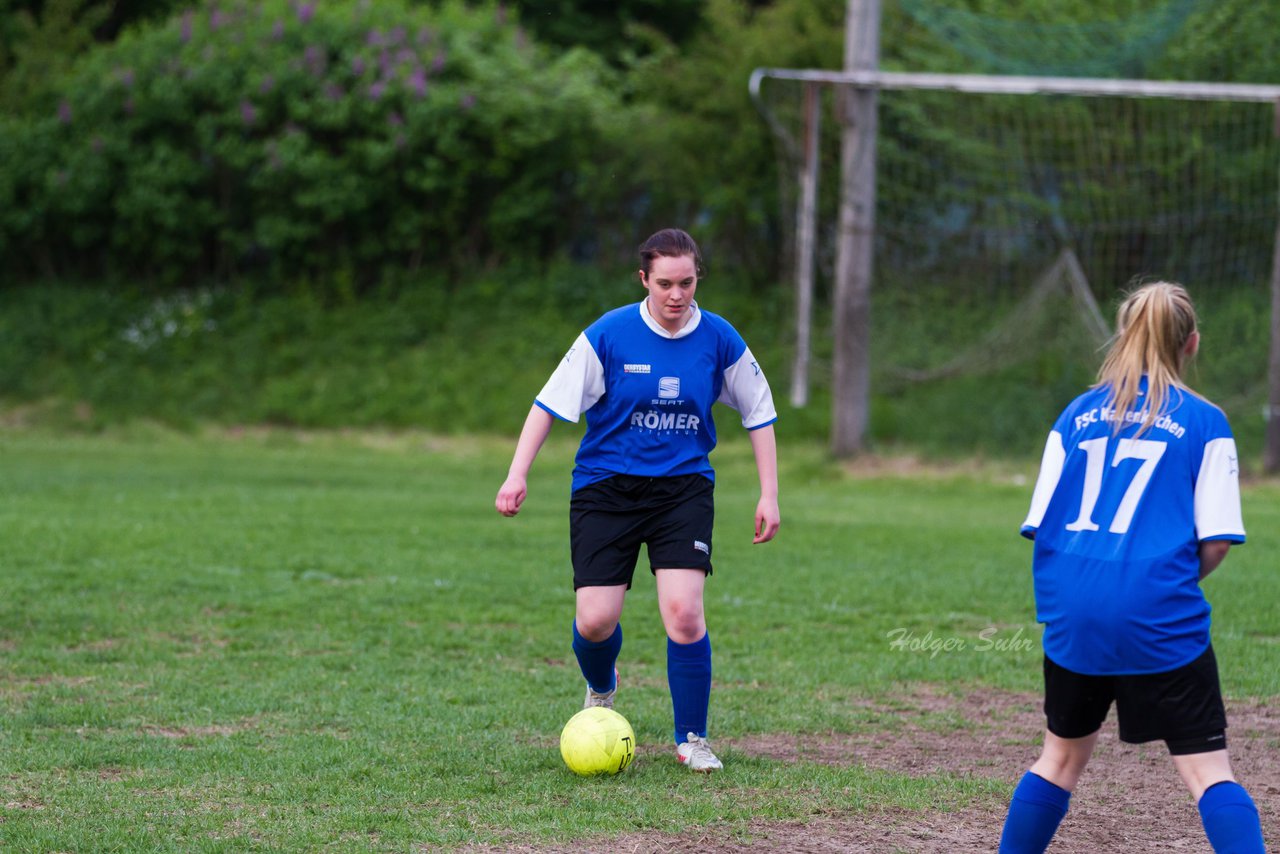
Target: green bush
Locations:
point(337, 140)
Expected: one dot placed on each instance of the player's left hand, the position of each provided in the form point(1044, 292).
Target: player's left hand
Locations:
point(767, 520)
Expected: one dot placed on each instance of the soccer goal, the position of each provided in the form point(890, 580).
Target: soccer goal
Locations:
point(1009, 210)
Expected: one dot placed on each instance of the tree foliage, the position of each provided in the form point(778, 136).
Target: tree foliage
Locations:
point(292, 137)
point(615, 30)
point(38, 44)
point(305, 140)
point(710, 160)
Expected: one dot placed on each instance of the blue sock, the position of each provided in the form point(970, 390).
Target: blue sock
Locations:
point(1231, 819)
point(1035, 812)
point(689, 675)
point(596, 659)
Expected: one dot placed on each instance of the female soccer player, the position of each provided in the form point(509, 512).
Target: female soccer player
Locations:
point(646, 376)
point(1137, 501)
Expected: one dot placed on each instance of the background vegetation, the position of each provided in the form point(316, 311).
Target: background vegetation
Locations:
point(345, 213)
point(424, 356)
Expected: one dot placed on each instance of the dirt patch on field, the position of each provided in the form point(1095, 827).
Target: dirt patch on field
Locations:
point(194, 732)
point(1129, 800)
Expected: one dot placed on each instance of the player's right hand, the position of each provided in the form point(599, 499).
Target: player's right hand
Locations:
point(511, 496)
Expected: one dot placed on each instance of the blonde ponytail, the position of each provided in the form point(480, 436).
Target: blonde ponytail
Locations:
point(1153, 326)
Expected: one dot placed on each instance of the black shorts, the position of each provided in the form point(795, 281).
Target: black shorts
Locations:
point(1181, 706)
point(609, 519)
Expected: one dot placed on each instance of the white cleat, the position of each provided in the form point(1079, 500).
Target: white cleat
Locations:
point(696, 753)
point(604, 700)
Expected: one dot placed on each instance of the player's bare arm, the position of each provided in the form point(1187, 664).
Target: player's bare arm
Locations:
point(768, 517)
point(515, 488)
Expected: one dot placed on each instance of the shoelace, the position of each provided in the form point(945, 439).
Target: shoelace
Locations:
point(698, 748)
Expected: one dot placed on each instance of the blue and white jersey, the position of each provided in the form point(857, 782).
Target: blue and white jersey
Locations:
point(1117, 521)
point(647, 393)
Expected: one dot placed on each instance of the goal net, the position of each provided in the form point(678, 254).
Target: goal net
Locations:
point(1008, 222)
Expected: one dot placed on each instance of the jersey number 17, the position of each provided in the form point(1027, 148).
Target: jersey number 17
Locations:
point(1095, 450)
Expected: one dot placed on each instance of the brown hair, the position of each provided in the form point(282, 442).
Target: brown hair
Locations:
point(1153, 326)
point(671, 243)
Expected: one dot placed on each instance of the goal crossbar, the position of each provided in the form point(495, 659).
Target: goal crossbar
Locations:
point(1000, 84)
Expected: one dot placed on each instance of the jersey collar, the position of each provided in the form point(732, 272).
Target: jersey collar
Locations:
point(695, 317)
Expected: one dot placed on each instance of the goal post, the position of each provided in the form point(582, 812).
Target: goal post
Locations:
point(1143, 188)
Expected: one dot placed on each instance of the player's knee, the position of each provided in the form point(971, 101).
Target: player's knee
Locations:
point(596, 627)
point(684, 621)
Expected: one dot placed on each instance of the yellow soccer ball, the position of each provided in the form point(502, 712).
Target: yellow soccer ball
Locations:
point(597, 741)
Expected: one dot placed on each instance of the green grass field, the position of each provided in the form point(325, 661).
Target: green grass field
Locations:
point(279, 642)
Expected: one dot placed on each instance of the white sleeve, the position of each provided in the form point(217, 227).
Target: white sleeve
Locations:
point(1217, 499)
point(576, 384)
point(746, 390)
point(1050, 472)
